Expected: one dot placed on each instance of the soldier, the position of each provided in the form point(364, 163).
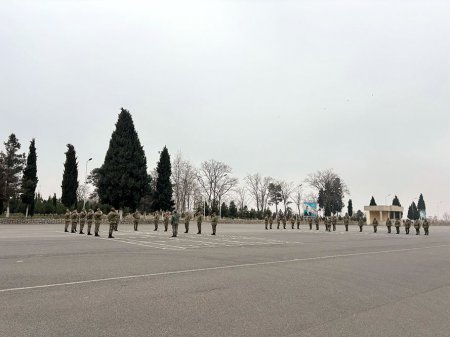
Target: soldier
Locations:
point(417, 226)
point(270, 222)
point(317, 222)
point(397, 225)
point(67, 220)
point(266, 221)
point(299, 220)
point(346, 222)
point(187, 219)
point(97, 219)
point(74, 218)
point(292, 221)
point(334, 221)
point(426, 226)
point(214, 221)
point(283, 220)
point(310, 223)
point(113, 219)
point(136, 218)
point(389, 225)
point(175, 221)
point(407, 225)
point(199, 222)
point(375, 225)
point(89, 218)
point(166, 221)
point(328, 224)
point(156, 220)
point(278, 222)
point(82, 220)
point(360, 224)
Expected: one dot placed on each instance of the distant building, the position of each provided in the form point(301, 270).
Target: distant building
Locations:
point(382, 213)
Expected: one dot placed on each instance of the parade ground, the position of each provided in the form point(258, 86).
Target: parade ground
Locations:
point(245, 281)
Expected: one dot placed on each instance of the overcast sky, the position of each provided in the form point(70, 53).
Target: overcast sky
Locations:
point(283, 88)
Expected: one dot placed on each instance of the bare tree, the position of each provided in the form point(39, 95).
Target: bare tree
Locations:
point(241, 193)
point(215, 180)
point(320, 179)
point(297, 197)
point(286, 189)
point(184, 180)
point(258, 189)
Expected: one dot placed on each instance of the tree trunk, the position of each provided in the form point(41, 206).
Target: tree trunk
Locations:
point(26, 212)
point(7, 210)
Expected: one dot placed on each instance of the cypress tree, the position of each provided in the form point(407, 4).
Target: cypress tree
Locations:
point(70, 178)
point(415, 211)
point(373, 202)
point(30, 179)
point(233, 211)
point(421, 204)
point(350, 208)
point(163, 193)
point(122, 179)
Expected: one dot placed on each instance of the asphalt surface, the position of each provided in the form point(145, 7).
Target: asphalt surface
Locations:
point(244, 282)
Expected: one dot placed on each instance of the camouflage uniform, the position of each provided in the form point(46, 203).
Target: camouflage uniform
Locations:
point(328, 224)
point(310, 223)
point(187, 219)
point(199, 223)
point(317, 222)
point(407, 225)
point(97, 219)
point(397, 225)
point(426, 226)
point(113, 219)
point(74, 218)
point(166, 221)
point(82, 220)
point(278, 222)
point(346, 222)
point(89, 218)
point(214, 221)
point(417, 227)
point(292, 222)
point(389, 225)
point(136, 218)
point(156, 220)
point(360, 224)
point(334, 221)
point(375, 225)
point(283, 220)
point(270, 222)
point(299, 220)
point(266, 222)
point(175, 221)
point(67, 221)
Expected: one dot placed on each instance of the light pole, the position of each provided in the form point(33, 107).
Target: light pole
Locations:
point(85, 182)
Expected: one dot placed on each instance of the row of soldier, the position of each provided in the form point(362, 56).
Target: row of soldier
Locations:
point(90, 217)
point(331, 222)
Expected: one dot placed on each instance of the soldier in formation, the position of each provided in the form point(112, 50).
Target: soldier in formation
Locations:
point(278, 222)
point(187, 220)
point(389, 225)
point(82, 220)
point(97, 220)
point(283, 220)
point(299, 220)
point(417, 227)
point(317, 222)
point(334, 222)
point(113, 219)
point(156, 220)
point(166, 221)
point(270, 222)
point(407, 225)
point(199, 222)
point(67, 220)
point(375, 225)
point(266, 221)
point(74, 218)
point(346, 222)
point(361, 224)
point(397, 224)
point(89, 219)
point(136, 218)
point(292, 221)
point(214, 221)
point(310, 223)
point(174, 222)
point(426, 227)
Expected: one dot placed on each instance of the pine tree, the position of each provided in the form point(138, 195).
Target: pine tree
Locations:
point(372, 202)
point(275, 196)
point(122, 181)
point(30, 180)
point(421, 204)
point(224, 210)
point(13, 163)
point(164, 190)
point(233, 211)
point(415, 211)
point(396, 202)
point(69, 184)
point(350, 208)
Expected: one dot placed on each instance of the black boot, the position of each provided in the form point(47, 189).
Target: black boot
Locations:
point(89, 233)
point(96, 234)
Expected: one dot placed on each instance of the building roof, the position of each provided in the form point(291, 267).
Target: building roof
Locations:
point(384, 208)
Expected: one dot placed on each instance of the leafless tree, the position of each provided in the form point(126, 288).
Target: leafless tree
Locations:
point(258, 189)
point(287, 188)
point(241, 193)
point(320, 179)
point(297, 197)
point(184, 180)
point(215, 180)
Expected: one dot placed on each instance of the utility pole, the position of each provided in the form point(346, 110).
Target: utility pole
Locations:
point(85, 182)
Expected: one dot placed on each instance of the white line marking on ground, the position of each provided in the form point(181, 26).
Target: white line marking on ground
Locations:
point(130, 277)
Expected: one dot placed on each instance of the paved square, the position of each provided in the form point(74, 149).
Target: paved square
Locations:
point(244, 282)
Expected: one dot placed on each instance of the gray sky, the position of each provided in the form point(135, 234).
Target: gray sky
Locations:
point(278, 87)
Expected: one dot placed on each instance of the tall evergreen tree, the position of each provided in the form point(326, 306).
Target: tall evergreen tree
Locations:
point(30, 180)
point(233, 211)
point(396, 202)
point(415, 211)
point(122, 181)
point(373, 202)
point(164, 190)
point(13, 163)
point(274, 193)
point(350, 208)
point(69, 184)
point(421, 204)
